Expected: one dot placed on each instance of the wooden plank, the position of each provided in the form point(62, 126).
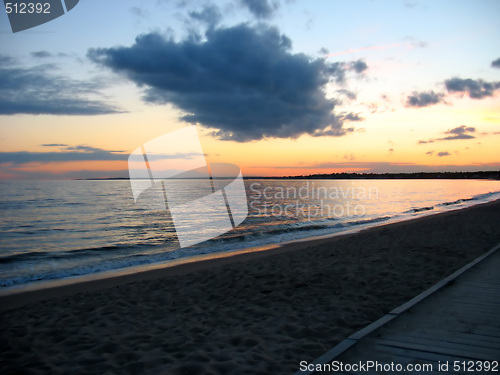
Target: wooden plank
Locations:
point(487, 333)
point(443, 347)
point(449, 342)
point(477, 302)
point(418, 354)
point(465, 338)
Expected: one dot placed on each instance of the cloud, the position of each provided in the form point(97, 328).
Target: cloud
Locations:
point(419, 44)
point(410, 4)
point(429, 153)
point(453, 137)
point(443, 153)
point(350, 157)
point(77, 153)
point(475, 89)
point(337, 70)
point(64, 175)
point(139, 12)
point(495, 63)
point(85, 148)
point(423, 99)
point(490, 133)
point(80, 153)
point(352, 117)
point(41, 54)
point(359, 66)
point(242, 81)
point(349, 94)
point(38, 91)
point(459, 132)
point(260, 8)
point(6, 60)
point(210, 15)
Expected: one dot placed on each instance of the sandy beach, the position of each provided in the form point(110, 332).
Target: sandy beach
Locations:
point(250, 314)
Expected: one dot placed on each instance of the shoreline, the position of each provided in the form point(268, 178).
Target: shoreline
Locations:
point(18, 296)
point(72, 261)
point(251, 313)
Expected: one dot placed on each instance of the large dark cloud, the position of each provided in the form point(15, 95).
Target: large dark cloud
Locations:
point(260, 8)
point(475, 89)
point(242, 81)
point(423, 99)
point(38, 91)
point(496, 63)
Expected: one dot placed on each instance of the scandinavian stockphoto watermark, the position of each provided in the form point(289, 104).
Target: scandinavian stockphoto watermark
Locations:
point(311, 200)
point(204, 200)
point(25, 14)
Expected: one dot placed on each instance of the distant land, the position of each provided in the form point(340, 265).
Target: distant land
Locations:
point(484, 175)
point(490, 175)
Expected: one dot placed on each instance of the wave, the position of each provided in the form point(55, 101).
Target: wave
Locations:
point(458, 201)
point(266, 231)
point(82, 270)
point(485, 196)
point(479, 197)
point(75, 254)
point(419, 209)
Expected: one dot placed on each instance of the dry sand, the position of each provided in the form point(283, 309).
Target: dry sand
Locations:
point(245, 315)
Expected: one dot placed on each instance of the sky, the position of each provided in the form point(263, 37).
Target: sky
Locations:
point(277, 87)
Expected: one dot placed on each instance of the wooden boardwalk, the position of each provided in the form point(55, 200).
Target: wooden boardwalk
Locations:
point(456, 323)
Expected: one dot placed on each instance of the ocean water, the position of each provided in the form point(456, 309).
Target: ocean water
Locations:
point(60, 229)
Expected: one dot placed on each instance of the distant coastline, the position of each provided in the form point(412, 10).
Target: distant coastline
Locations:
point(482, 175)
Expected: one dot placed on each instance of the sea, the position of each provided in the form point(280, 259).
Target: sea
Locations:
point(56, 230)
